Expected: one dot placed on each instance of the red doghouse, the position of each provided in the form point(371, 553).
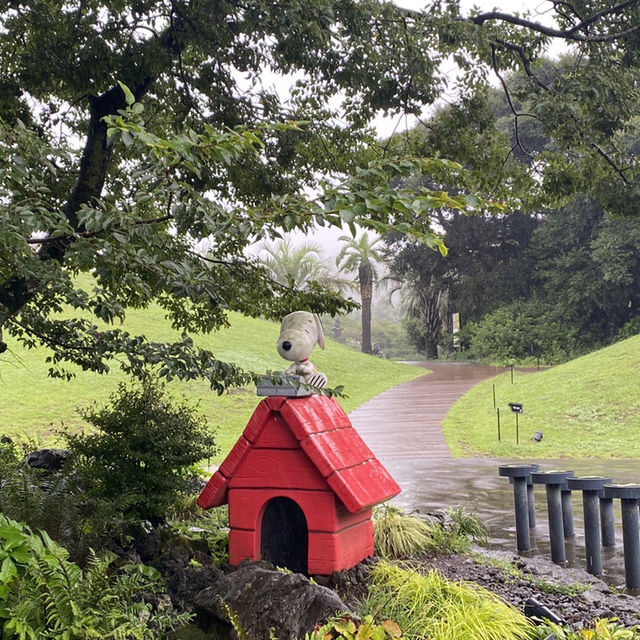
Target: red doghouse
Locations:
point(300, 484)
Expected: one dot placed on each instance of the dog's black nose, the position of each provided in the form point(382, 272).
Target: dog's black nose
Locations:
point(286, 345)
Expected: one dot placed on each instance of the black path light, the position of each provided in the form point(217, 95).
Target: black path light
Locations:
point(590, 487)
point(629, 494)
point(554, 482)
point(517, 408)
point(519, 474)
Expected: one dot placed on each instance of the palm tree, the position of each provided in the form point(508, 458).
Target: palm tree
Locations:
point(361, 256)
point(422, 297)
point(295, 266)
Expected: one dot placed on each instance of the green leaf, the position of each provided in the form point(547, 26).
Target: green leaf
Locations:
point(8, 570)
point(128, 96)
point(345, 626)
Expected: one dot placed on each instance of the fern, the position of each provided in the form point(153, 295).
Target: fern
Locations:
point(44, 596)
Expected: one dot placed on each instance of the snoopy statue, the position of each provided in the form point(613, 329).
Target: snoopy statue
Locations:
point(300, 332)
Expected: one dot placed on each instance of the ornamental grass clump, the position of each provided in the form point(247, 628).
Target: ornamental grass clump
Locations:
point(467, 525)
point(432, 607)
point(396, 535)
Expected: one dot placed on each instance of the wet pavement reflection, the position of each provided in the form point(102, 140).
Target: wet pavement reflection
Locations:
point(434, 483)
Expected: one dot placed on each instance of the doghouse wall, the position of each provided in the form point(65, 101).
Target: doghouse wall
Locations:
point(337, 539)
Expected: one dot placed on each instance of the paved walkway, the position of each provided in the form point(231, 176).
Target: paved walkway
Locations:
point(405, 421)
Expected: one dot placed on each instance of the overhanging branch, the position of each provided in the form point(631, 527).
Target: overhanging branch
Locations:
point(575, 33)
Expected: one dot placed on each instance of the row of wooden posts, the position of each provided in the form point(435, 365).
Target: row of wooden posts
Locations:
point(598, 494)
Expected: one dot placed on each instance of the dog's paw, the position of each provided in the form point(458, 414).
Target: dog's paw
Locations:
point(317, 380)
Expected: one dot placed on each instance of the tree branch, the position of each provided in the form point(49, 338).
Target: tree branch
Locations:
point(610, 162)
point(507, 94)
point(17, 291)
point(564, 34)
point(526, 62)
point(93, 234)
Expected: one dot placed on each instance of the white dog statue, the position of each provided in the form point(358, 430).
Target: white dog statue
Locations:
point(300, 331)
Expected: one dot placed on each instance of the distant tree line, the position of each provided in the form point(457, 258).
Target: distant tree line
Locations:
point(549, 285)
point(550, 278)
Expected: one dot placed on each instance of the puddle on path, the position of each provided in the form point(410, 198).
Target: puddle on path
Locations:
point(435, 484)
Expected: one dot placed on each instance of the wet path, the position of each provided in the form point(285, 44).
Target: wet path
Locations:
point(402, 427)
point(404, 421)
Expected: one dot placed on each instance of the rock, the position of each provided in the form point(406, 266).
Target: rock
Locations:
point(263, 599)
point(190, 632)
point(48, 459)
point(145, 539)
point(184, 579)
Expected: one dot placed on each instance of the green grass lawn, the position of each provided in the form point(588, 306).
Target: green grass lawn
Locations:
point(586, 408)
point(36, 406)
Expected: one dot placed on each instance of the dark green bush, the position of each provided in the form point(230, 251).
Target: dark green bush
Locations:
point(522, 331)
point(630, 329)
point(142, 451)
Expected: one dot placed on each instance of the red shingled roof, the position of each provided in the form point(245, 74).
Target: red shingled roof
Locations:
point(325, 434)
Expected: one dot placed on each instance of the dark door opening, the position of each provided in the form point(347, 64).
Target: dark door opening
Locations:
point(284, 536)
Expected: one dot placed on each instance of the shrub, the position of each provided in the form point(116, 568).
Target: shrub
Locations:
point(143, 450)
point(629, 329)
point(431, 606)
point(44, 596)
point(523, 331)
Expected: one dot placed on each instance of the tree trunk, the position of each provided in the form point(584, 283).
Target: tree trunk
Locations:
point(17, 291)
point(366, 293)
point(432, 326)
point(431, 349)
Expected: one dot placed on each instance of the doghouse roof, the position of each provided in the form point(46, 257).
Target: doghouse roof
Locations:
point(325, 434)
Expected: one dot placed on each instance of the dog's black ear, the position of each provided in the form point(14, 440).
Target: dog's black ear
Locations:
point(316, 317)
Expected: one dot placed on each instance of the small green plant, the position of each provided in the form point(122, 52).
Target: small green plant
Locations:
point(446, 540)
point(210, 526)
point(435, 608)
point(44, 596)
point(346, 627)
point(396, 535)
point(603, 629)
point(234, 621)
point(143, 450)
point(546, 586)
point(467, 524)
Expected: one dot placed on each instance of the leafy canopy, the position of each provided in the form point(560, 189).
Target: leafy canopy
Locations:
point(139, 144)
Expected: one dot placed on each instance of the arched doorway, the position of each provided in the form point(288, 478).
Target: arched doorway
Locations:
point(284, 535)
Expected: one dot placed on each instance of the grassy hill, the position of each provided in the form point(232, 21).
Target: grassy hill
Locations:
point(35, 406)
point(586, 408)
